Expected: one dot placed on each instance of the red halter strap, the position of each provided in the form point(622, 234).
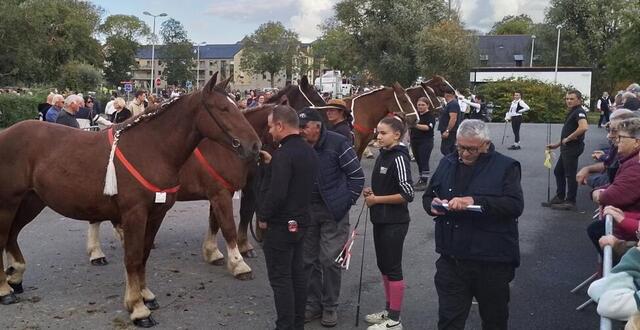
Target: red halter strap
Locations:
point(362, 129)
point(132, 170)
point(211, 171)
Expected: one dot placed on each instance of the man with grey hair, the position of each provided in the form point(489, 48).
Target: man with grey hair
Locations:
point(52, 114)
point(630, 99)
point(68, 114)
point(476, 198)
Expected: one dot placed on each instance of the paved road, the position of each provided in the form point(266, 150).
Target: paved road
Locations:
point(64, 292)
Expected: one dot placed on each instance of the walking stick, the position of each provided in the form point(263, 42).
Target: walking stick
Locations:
point(364, 240)
point(504, 131)
point(548, 169)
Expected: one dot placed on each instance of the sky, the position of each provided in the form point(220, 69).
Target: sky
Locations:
point(228, 21)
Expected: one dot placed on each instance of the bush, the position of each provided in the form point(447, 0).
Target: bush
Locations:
point(79, 77)
point(545, 100)
point(15, 108)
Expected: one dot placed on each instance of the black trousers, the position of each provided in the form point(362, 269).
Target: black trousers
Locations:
point(604, 117)
point(448, 145)
point(283, 254)
point(388, 240)
point(595, 231)
point(458, 281)
point(516, 122)
point(422, 152)
point(565, 172)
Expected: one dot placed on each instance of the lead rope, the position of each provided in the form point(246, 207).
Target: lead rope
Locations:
point(344, 258)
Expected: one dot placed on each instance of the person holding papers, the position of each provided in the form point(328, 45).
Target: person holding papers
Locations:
point(476, 198)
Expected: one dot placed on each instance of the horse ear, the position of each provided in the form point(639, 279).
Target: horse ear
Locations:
point(304, 82)
point(223, 84)
point(211, 83)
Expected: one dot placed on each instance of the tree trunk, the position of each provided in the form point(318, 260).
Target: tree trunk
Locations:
point(272, 74)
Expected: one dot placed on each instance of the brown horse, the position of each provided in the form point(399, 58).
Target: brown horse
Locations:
point(433, 89)
point(369, 108)
point(151, 151)
point(213, 173)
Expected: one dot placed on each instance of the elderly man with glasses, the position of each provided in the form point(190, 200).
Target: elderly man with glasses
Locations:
point(476, 198)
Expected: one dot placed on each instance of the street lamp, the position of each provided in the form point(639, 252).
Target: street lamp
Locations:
point(153, 49)
point(555, 76)
point(533, 44)
point(198, 65)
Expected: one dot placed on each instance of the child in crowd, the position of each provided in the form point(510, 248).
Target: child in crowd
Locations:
point(390, 192)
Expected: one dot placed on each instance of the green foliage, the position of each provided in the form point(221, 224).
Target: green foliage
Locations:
point(271, 48)
point(521, 24)
point(122, 34)
point(446, 49)
point(15, 108)
point(40, 37)
point(383, 35)
point(79, 77)
point(545, 100)
point(178, 53)
point(622, 60)
point(337, 48)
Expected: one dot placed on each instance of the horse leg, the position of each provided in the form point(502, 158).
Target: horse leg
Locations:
point(30, 207)
point(7, 215)
point(134, 224)
point(247, 209)
point(224, 214)
point(210, 251)
point(149, 297)
point(96, 256)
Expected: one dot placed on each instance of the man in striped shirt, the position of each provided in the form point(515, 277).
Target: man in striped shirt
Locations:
point(338, 185)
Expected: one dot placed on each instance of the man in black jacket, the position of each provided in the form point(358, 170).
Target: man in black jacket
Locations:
point(337, 188)
point(284, 215)
point(479, 249)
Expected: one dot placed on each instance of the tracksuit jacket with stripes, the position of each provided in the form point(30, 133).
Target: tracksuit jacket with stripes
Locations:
point(392, 175)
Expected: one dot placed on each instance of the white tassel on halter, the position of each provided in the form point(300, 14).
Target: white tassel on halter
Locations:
point(110, 180)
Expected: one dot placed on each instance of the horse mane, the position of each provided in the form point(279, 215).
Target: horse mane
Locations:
point(260, 108)
point(366, 93)
point(148, 114)
point(274, 98)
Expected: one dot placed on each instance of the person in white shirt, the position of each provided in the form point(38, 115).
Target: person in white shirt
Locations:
point(108, 109)
point(514, 115)
point(604, 106)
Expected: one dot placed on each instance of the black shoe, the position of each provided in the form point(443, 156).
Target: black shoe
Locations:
point(329, 319)
point(555, 200)
point(514, 147)
point(311, 315)
point(421, 185)
point(565, 206)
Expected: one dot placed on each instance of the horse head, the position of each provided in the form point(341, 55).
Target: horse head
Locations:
point(221, 120)
point(403, 104)
point(298, 96)
point(438, 85)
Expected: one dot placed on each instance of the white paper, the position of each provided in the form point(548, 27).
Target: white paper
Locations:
point(161, 197)
point(474, 208)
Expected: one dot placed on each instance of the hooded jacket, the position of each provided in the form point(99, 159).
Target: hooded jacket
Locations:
point(392, 175)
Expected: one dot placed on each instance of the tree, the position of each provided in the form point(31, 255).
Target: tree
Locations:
point(271, 49)
point(337, 48)
point(622, 60)
point(448, 50)
point(79, 77)
point(384, 34)
point(521, 24)
point(122, 34)
point(178, 53)
point(40, 37)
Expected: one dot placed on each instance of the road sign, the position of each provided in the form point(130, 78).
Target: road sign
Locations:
point(128, 88)
point(158, 82)
point(189, 84)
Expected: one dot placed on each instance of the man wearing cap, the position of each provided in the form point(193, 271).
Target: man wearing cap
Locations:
point(337, 187)
point(339, 118)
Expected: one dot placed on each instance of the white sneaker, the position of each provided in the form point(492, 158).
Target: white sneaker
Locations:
point(376, 318)
point(386, 325)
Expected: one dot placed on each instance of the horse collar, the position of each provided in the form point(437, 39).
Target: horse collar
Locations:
point(135, 173)
point(211, 171)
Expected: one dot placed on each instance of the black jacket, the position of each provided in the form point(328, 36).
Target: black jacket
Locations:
point(293, 170)
point(494, 184)
point(343, 128)
point(67, 119)
point(392, 175)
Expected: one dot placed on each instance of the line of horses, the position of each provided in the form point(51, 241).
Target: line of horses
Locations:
point(200, 142)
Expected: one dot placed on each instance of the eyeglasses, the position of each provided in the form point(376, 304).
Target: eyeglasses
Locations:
point(610, 129)
point(620, 137)
point(471, 150)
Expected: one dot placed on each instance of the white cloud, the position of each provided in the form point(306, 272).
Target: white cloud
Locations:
point(481, 14)
point(311, 13)
point(251, 11)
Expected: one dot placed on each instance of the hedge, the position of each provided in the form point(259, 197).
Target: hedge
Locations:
point(545, 100)
point(15, 108)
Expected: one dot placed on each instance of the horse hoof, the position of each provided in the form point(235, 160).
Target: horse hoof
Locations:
point(245, 276)
point(152, 304)
point(99, 262)
point(250, 254)
point(8, 299)
point(146, 322)
point(219, 262)
point(17, 287)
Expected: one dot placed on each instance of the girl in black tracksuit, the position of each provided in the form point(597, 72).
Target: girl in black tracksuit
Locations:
point(390, 192)
point(422, 141)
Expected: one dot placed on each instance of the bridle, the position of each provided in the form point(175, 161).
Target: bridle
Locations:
point(232, 141)
point(305, 96)
point(401, 113)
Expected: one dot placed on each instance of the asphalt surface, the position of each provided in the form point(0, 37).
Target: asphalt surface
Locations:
point(63, 291)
